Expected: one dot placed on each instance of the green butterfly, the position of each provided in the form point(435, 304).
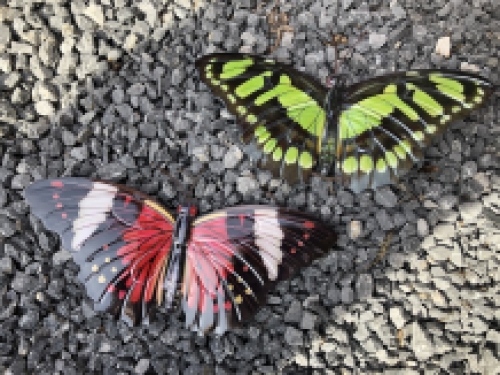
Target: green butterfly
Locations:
point(367, 135)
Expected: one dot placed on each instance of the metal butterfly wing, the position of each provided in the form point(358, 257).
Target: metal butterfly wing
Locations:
point(386, 122)
point(120, 238)
point(236, 255)
point(278, 107)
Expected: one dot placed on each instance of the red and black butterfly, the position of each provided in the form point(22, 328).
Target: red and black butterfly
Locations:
point(131, 251)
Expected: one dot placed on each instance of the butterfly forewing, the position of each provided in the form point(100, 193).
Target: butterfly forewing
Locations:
point(386, 122)
point(278, 107)
point(116, 235)
point(235, 256)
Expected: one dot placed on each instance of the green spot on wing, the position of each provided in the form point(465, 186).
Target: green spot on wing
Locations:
point(277, 154)
point(306, 160)
point(390, 89)
point(263, 137)
point(448, 82)
point(300, 106)
point(369, 113)
point(250, 86)
point(366, 164)
point(431, 129)
point(418, 135)
point(350, 165)
point(252, 119)
point(381, 165)
point(270, 145)
point(291, 155)
point(259, 130)
point(392, 160)
point(400, 152)
point(233, 69)
point(425, 101)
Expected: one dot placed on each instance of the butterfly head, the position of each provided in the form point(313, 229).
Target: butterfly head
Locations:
point(188, 210)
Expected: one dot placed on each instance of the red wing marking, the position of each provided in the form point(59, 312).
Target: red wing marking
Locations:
point(308, 224)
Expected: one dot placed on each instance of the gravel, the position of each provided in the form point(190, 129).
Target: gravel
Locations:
point(107, 89)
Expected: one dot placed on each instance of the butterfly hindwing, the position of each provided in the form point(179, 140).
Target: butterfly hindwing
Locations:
point(235, 256)
point(118, 237)
point(385, 122)
point(277, 106)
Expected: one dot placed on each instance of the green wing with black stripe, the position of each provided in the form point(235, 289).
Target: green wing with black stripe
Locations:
point(386, 122)
point(278, 107)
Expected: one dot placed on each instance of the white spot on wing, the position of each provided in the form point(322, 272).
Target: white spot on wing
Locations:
point(92, 212)
point(268, 238)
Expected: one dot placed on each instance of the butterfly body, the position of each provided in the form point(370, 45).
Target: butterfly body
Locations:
point(133, 254)
point(365, 135)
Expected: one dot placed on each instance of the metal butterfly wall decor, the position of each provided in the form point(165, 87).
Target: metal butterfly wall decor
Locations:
point(365, 135)
point(133, 254)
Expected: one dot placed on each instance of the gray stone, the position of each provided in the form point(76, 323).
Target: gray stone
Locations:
point(384, 220)
point(3, 196)
point(386, 197)
point(45, 91)
point(5, 35)
point(95, 13)
point(39, 70)
point(293, 337)
point(308, 320)
point(422, 227)
point(469, 211)
point(364, 286)
point(377, 40)
point(22, 48)
point(396, 314)
point(23, 283)
point(113, 171)
point(20, 181)
point(355, 229)
point(29, 320)
point(489, 364)
point(447, 202)
point(20, 96)
point(10, 80)
point(5, 63)
point(397, 10)
point(294, 313)
point(422, 346)
point(246, 184)
point(6, 265)
point(149, 9)
point(118, 96)
point(444, 231)
point(45, 108)
point(233, 157)
point(7, 112)
point(142, 366)
point(61, 257)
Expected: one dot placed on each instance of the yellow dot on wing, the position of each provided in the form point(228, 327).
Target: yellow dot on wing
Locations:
point(101, 279)
point(95, 268)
